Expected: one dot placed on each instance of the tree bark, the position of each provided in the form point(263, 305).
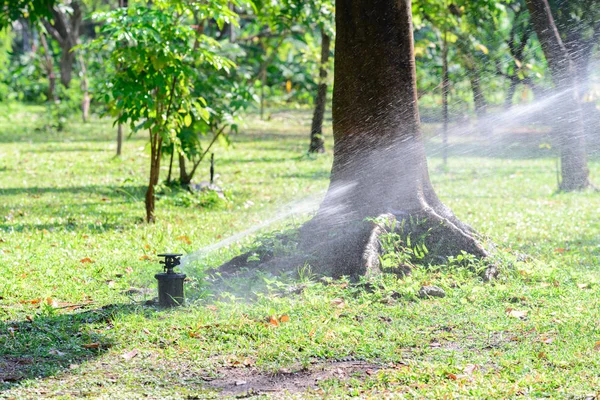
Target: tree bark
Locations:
point(155, 154)
point(122, 4)
point(184, 178)
point(479, 102)
point(119, 139)
point(445, 89)
point(317, 144)
point(379, 167)
point(49, 64)
point(568, 125)
point(510, 93)
point(85, 101)
point(65, 30)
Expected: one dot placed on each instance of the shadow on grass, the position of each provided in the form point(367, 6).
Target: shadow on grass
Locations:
point(115, 191)
point(50, 343)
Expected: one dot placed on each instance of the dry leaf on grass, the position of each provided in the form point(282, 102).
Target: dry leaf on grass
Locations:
point(339, 303)
point(516, 313)
point(130, 354)
point(86, 260)
point(185, 239)
point(284, 318)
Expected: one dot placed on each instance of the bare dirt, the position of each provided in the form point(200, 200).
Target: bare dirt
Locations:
point(248, 382)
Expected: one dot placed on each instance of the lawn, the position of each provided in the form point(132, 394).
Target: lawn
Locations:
point(77, 267)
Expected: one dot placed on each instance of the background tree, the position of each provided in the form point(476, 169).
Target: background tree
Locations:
point(64, 28)
point(568, 122)
point(379, 167)
point(155, 92)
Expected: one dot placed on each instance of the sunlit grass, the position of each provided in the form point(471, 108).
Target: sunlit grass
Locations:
point(72, 241)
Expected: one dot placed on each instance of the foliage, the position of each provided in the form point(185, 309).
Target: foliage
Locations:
point(154, 57)
point(11, 10)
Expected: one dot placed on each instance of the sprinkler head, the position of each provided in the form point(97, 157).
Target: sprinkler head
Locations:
point(170, 283)
point(170, 261)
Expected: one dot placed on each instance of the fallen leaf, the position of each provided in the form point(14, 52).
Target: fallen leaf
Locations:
point(582, 285)
point(86, 260)
point(542, 356)
point(129, 270)
point(184, 239)
point(55, 352)
point(545, 284)
point(110, 283)
point(94, 345)
point(469, 368)
point(452, 376)
point(51, 302)
point(273, 321)
point(212, 308)
point(29, 318)
point(560, 250)
point(34, 301)
point(516, 313)
point(146, 331)
point(597, 346)
point(129, 355)
point(284, 318)
point(144, 258)
point(546, 340)
point(339, 303)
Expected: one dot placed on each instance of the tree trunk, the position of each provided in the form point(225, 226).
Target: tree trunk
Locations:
point(479, 102)
point(184, 178)
point(379, 166)
point(65, 30)
point(67, 59)
point(317, 144)
point(119, 139)
point(568, 124)
point(445, 88)
point(510, 93)
point(155, 150)
point(122, 4)
point(85, 102)
point(49, 64)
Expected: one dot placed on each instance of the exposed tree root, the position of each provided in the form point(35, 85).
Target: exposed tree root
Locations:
point(355, 249)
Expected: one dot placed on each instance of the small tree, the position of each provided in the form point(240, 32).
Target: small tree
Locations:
point(153, 87)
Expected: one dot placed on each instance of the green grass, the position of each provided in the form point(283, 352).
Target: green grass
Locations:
point(67, 199)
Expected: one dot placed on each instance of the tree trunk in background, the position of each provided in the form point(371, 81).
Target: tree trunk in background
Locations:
point(379, 167)
point(155, 153)
point(479, 102)
point(49, 66)
point(317, 144)
point(122, 4)
point(568, 126)
point(65, 30)
point(445, 88)
point(184, 178)
point(510, 93)
point(119, 139)
point(85, 102)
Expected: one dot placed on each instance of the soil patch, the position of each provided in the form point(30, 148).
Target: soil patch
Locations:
point(248, 382)
point(12, 369)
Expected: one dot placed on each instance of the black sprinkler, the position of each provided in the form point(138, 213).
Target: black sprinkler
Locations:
point(170, 283)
